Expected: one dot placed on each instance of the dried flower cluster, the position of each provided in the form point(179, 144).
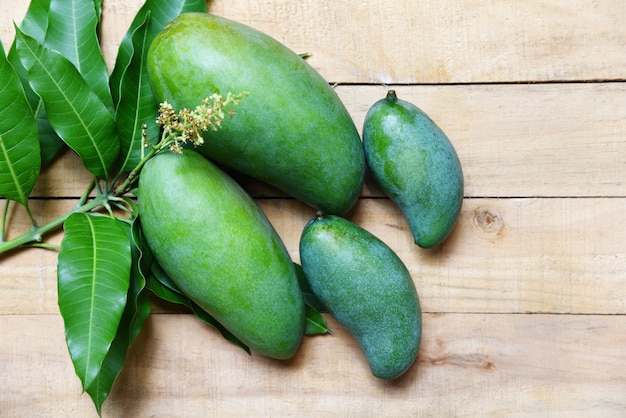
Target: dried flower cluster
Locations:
point(187, 126)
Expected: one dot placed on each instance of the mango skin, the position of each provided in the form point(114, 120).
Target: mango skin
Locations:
point(292, 130)
point(217, 245)
point(416, 165)
point(368, 290)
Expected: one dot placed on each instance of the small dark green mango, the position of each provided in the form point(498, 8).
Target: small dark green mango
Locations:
point(218, 246)
point(416, 165)
point(367, 288)
point(291, 130)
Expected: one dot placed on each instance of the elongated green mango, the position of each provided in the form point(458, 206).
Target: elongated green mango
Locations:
point(218, 246)
point(416, 165)
point(367, 288)
point(291, 130)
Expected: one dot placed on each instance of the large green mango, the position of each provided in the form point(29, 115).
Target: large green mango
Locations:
point(292, 130)
point(218, 246)
point(416, 165)
point(367, 288)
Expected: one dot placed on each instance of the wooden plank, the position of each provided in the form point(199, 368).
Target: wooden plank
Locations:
point(524, 308)
point(469, 365)
point(28, 278)
point(528, 255)
point(524, 140)
point(504, 256)
point(513, 140)
point(536, 134)
point(451, 41)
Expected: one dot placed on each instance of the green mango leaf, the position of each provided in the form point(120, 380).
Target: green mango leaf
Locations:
point(315, 322)
point(156, 272)
point(34, 24)
point(20, 161)
point(14, 59)
point(98, 6)
point(163, 292)
point(157, 14)
point(140, 301)
point(307, 294)
point(134, 100)
point(146, 258)
point(93, 271)
point(101, 386)
point(137, 106)
point(49, 142)
point(138, 308)
point(163, 287)
point(135, 313)
point(75, 112)
point(73, 32)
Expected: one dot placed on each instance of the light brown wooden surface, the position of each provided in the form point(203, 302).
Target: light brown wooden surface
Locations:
point(514, 140)
point(470, 365)
point(525, 304)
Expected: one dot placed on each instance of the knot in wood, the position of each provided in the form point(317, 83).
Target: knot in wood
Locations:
point(487, 221)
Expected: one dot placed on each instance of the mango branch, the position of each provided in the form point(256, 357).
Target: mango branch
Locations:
point(35, 235)
point(183, 127)
point(177, 130)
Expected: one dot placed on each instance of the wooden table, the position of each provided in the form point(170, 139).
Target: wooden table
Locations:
point(524, 305)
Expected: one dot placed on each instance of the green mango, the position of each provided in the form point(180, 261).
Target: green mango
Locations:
point(219, 248)
point(367, 288)
point(416, 165)
point(291, 130)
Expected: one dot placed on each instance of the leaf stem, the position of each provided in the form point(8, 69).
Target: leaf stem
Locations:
point(3, 221)
point(30, 214)
point(127, 184)
point(89, 189)
point(166, 140)
point(35, 235)
point(47, 246)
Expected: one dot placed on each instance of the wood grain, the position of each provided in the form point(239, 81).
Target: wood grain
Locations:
point(432, 42)
point(526, 140)
point(452, 41)
point(468, 365)
point(530, 255)
point(524, 307)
